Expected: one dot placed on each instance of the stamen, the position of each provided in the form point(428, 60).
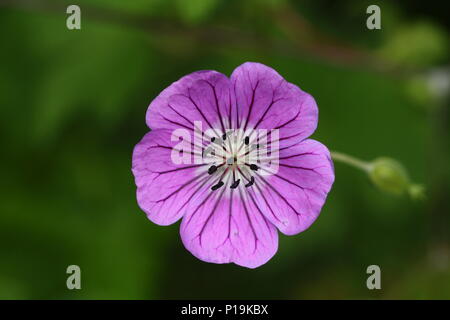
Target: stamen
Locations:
point(247, 140)
point(217, 186)
point(252, 166)
point(219, 142)
point(212, 169)
point(252, 181)
point(224, 136)
point(235, 184)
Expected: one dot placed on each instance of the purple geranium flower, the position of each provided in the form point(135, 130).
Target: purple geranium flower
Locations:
point(230, 156)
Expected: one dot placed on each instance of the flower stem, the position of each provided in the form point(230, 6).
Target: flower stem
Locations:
point(345, 158)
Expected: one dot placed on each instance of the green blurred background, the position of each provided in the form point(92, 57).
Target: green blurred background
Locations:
point(73, 106)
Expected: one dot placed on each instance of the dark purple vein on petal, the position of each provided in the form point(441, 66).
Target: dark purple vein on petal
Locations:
point(188, 120)
point(261, 213)
point(269, 142)
point(201, 113)
point(285, 179)
point(184, 117)
point(172, 148)
point(210, 177)
point(176, 123)
point(266, 201)
point(301, 168)
point(201, 183)
point(230, 210)
point(179, 169)
point(216, 204)
point(286, 138)
point(271, 104)
point(281, 149)
point(264, 160)
point(289, 121)
point(298, 155)
point(282, 139)
point(280, 195)
point(183, 186)
point(249, 221)
point(217, 105)
point(198, 207)
point(238, 122)
point(298, 186)
point(251, 105)
point(184, 126)
point(229, 109)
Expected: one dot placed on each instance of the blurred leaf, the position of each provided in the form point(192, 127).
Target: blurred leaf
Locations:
point(420, 44)
point(195, 11)
point(416, 88)
point(134, 6)
point(91, 77)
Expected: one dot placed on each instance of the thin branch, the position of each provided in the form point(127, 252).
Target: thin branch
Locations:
point(302, 38)
point(345, 158)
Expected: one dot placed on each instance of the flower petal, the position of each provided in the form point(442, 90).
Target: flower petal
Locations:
point(265, 100)
point(225, 226)
point(293, 197)
point(200, 96)
point(163, 187)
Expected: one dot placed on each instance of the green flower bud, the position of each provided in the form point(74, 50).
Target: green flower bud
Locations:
point(389, 175)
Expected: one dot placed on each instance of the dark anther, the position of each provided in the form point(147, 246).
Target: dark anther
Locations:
point(257, 146)
point(252, 181)
point(212, 169)
point(217, 186)
point(224, 136)
point(247, 140)
point(235, 184)
point(254, 167)
point(213, 138)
